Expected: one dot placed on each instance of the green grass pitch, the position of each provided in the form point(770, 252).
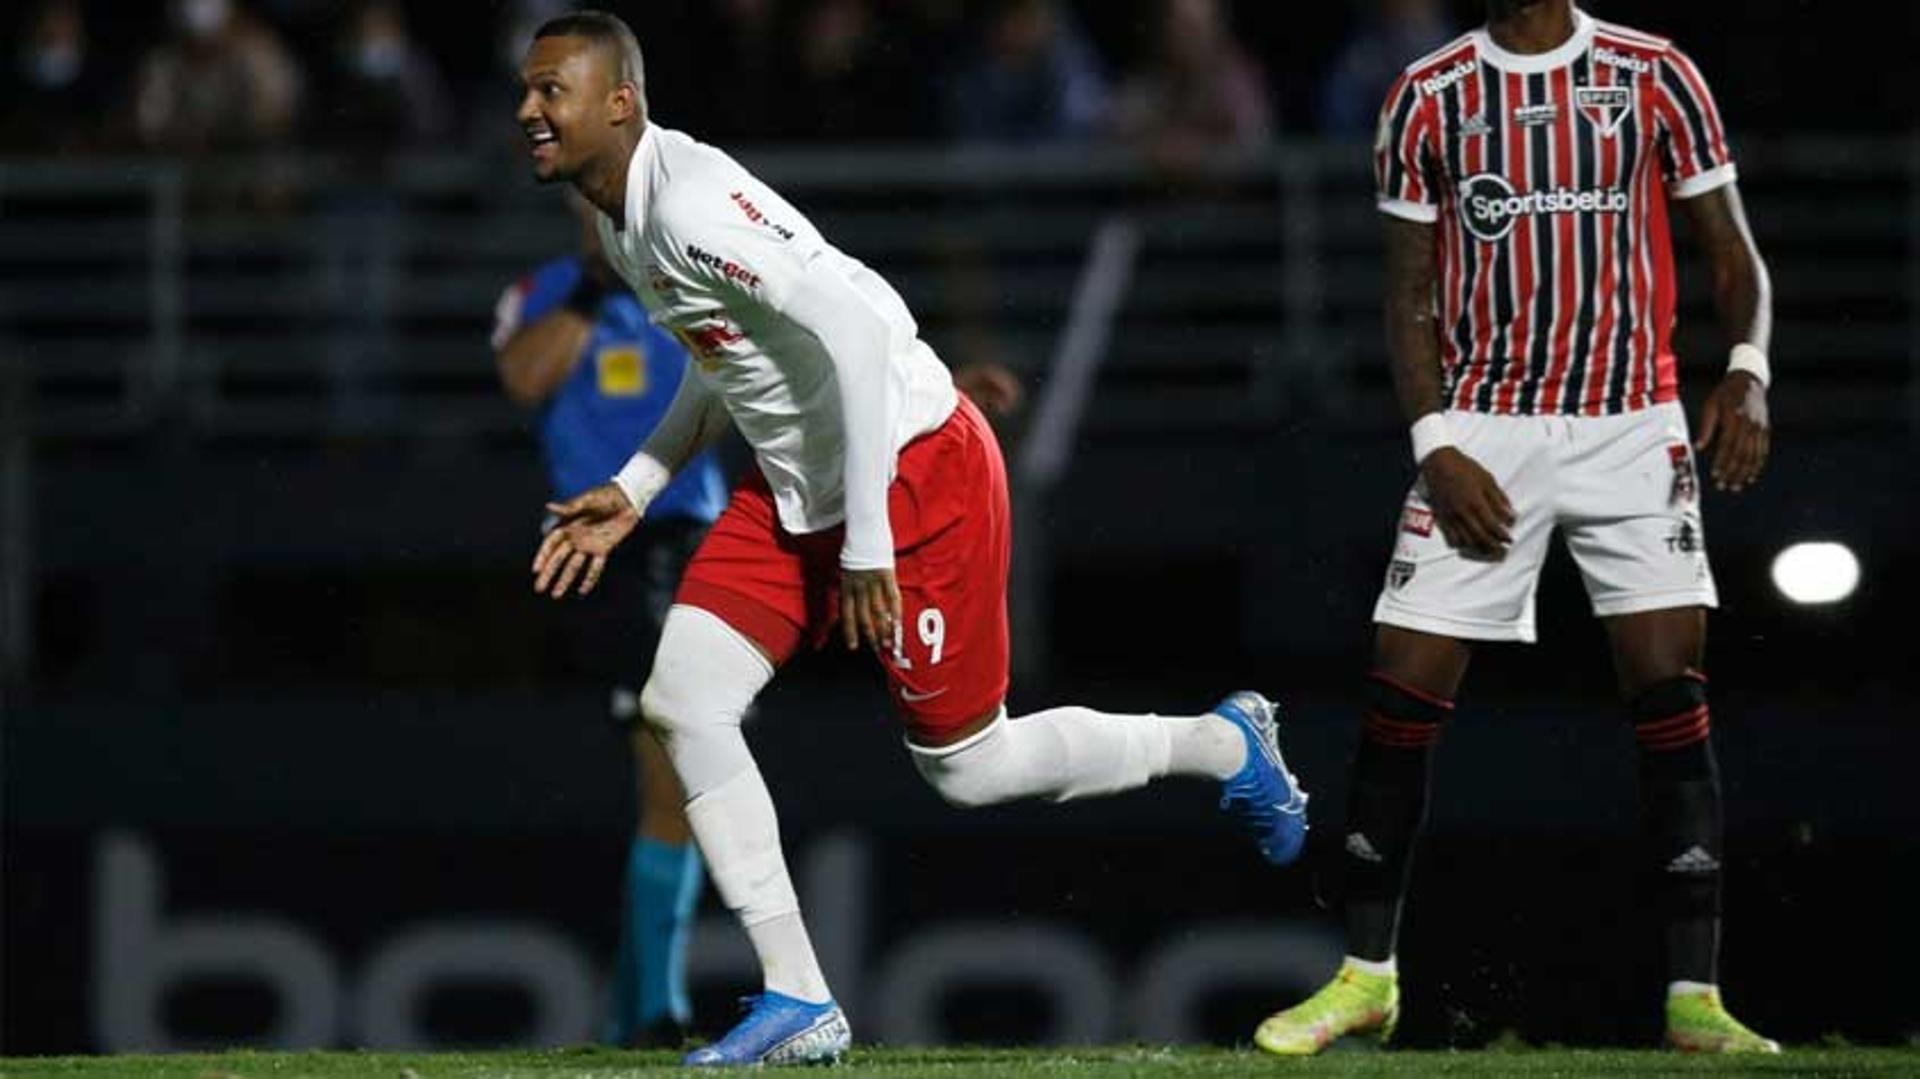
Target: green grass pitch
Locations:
point(586, 1063)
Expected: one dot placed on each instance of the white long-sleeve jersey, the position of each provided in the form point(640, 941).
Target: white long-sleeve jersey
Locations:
point(814, 356)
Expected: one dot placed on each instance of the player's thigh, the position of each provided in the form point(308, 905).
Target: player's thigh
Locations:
point(1630, 508)
point(1655, 646)
point(756, 578)
point(949, 664)
point(1432, 587)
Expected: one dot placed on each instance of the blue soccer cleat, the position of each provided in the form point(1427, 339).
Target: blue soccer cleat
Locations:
point(779, 1029)
point(1263, 794)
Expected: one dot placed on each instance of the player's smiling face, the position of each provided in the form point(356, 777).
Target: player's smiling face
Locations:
point(563, 109)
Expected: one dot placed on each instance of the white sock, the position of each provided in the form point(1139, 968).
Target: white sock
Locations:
point(1385, 966)
point(705, 676)
point(739, 838)
point(787, 964)
point(1682, 989)
point(1072, 752)
point(1205, 745)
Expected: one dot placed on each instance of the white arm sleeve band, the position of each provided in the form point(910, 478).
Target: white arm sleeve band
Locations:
point(693, 420)
point(857, 340)
point(1430, 433)
point(1753, 361)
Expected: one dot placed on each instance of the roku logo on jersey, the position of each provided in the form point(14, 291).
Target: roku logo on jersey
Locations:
point(1635, 64)
point(1489, 206)
point(1433, 84)
point(726, 268)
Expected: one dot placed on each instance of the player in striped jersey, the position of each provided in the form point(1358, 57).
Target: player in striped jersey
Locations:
point(1526, 172)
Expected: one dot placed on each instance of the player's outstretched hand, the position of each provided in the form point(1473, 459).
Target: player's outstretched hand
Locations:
point(1736, 414)
point(1468, 504)
point(869, 607)
point(586, 529)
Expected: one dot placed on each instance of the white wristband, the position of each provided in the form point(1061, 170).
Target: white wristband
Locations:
point(640, 479)
point(1430, 433)
point(1750, 359)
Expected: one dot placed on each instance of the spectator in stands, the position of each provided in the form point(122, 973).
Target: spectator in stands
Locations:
point(1392, 34)
point(382, 95)
point(1033, 78)
point(221, 80)
point(382, 92)
point(57, 98)
point(1199, 96)
point(855, 77)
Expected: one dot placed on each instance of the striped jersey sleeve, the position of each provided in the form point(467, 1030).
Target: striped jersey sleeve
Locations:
point(1403, 155)
point(1694, 157)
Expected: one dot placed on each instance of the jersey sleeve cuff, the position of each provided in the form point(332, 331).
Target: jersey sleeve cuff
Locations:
point(1424, 213)
point(1702, 182)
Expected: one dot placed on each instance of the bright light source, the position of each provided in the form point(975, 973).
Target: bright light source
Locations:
point(1816, 572)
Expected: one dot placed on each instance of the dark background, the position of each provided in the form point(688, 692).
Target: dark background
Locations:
point(301, 676)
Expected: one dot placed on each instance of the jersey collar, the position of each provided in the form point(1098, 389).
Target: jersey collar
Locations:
point(1528, 63)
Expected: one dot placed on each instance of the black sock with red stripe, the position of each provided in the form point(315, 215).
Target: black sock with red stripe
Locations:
point(1387, 809)
point(1680, 820)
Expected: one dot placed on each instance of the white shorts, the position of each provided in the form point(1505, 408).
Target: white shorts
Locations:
point(1623, 489)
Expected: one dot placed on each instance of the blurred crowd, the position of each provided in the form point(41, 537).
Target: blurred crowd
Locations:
point(1173, 78)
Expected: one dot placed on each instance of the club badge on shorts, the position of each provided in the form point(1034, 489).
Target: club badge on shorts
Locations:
point(1399, 573)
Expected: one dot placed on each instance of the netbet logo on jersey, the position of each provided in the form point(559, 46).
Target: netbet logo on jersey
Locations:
point(1489, 206)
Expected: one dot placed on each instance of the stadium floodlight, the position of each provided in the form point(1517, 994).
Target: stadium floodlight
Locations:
point(1812, 573)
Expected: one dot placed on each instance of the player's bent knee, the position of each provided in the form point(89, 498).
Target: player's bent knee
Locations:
point(1671, 722)
point(972, 772)
point(961, 787)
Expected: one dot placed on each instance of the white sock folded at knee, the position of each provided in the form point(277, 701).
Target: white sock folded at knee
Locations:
point(1072, 752)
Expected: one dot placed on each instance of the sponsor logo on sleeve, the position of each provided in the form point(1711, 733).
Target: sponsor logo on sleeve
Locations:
point(754, 215)
point(1639, 65)
point(1435, 83)
point(726, 268)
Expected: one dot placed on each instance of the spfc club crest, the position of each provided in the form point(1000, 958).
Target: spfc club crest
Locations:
point(1399, 573)
point(1604, 106)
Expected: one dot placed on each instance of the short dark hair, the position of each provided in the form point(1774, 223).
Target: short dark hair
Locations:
point(603, 29)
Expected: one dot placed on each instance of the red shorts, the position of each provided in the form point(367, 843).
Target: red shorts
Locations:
point(951, 535)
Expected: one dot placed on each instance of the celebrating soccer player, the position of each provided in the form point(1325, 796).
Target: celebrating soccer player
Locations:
point(880, 502)
point(1525, 171)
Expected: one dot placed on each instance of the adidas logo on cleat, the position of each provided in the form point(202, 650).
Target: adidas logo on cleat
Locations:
point(1360, 847)
point(1694, 860)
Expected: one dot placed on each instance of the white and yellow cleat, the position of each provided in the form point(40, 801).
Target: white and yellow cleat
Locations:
point(1697, 1022)
point(1354, 1002)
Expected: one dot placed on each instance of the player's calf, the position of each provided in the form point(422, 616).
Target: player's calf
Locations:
point(1387, 808)
point(1680, 819)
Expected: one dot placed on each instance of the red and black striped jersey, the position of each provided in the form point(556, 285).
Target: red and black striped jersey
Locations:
point(1547, 176)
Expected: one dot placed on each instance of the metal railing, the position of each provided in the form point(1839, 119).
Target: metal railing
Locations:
point(138, 294)
point(298, 301)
